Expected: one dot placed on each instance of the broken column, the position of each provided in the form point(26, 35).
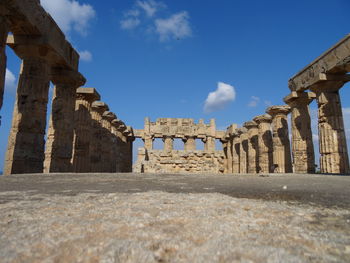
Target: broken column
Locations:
point(302, 144)
point(333, 148)
point(97, 109)
point(168, 143)
point(4, 29)
point(59, 145)
point(253, 146)
point(26, 143)
point(265, 143)
point(82, 130)
point(282, 160)
point(190, 143)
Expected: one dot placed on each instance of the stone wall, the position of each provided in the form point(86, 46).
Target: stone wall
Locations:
point(179, 161)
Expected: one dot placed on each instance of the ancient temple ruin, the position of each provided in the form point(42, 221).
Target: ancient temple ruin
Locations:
point(84, 135)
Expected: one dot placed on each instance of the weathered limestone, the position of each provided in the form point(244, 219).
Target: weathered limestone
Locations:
point(235, 152)
point(302, 145)
point(4, 29)
point(59, 145)
point(97, 109)
point(190, 143)
point(281, 145)
point(253, 146)
point(168, 143)
point(243, 150)
point(25, 152)
point(107, 142)
point(333, 148)
point(265, 143)
point(82, 130)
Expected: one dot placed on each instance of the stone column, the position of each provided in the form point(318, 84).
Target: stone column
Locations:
point(82, 130)
point(168, 143)
point(302, 144)
point(282, 160)
point(59, 145)
point(224, 149)
point(229, 155)
point(243, 151)
point(265, 143)
point(97, 109)
point(4, 29)
point(190, 143)
point(209, 143)
point(253, 146)
point(26, 144)
point(148, 142)
point(235, 152)
point(108, 143)
point(333, 148)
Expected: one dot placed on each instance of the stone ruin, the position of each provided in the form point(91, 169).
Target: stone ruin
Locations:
point(85, 136)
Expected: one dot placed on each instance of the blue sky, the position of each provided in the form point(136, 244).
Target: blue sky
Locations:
point(164, 58)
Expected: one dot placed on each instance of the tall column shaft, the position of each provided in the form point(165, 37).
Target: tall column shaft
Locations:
point(4, 29)
point(265, 144)
point(59, 145)
point(282, 159)
point(148, 141)
point(333, 148)
point(235, 154)
point(253, 146)
point(209, 144)
point(229, 156)
point(243, 153)
point(190, 144)
point(302, 144)
point(168, 143)
point(25, 152)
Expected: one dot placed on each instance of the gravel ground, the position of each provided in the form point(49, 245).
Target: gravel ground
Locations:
point(157, 226)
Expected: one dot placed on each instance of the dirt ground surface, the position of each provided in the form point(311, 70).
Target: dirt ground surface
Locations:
point(174, 218)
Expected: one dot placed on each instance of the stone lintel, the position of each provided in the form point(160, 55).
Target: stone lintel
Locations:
point(335, 60)
point(66, 76)
point(295, 96)
point(250, 125)
point(89, 94)
point(139, 133)
point(278, 109)
point(100, 107)
point(265, 118)
point(219, 134)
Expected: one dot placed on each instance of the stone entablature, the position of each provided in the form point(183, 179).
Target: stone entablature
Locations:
point(179, 161)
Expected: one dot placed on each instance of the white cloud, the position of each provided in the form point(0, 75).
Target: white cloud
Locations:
point(253, 101)
point(150, 7)
point(85, 55)
point(268, 103)
point(176, 26)
point(10, 81)
point(129, 23)
point(70, 14)
point(218, 99)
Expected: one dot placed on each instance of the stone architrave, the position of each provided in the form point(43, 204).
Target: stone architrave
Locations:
point(108, 143)
point(82, 130)
point(253, 146)
point(26, 144)
point(265, 143)
point(302, 144)
point(189, 143)
point(59, 145)
point(282, 159)
point(243, 151)
point(235, 152)
point(333, 148)
point(168, 143)
point(4, 29)
point(97, 109)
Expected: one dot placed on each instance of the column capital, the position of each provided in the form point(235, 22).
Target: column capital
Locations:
point(265, 118)
point(295, 98)
point(278, 110)
point(99, 107)
point(331, 83)
point(67, 76)
point(167, 137)
point(250, 125)
point(88, 94)
point(109, 116)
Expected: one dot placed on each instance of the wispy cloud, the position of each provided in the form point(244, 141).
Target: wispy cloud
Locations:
point(175, 27)
point(85, 55)
point(218, 99)
point(254, 101)
point(10, 81)
point(146, 16)
point(70, 14)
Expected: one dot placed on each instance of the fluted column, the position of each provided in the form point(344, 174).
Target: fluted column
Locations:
point(253, 146)
point(243, 151)
point(333, 148)
point(209, 143)
point(4, 29)
point(235, 152)
point(97, 109)
point(59, 145)
point(190, 143)
point(282, 159)
point(265, 143)
point(229, 155)
point(83, 129)
point(302, 144)
point(148, 142)
point(25, 152)
point(108, 160)
point(168, 143)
